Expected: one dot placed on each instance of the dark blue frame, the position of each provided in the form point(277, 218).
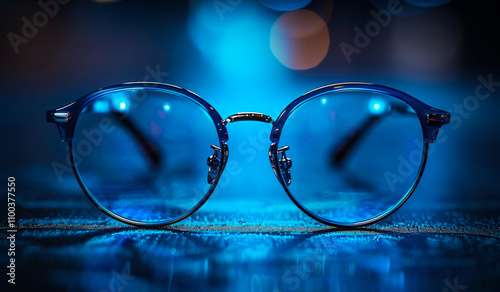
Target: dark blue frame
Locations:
point(431, 120)
point(66, 126)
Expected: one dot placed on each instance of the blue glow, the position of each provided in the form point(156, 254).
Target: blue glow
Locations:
point(120, 102)
point(323, 100)
point(166, 107)
point(285, 5)
point(100, 106)
point(235, 41)
point(377, 107)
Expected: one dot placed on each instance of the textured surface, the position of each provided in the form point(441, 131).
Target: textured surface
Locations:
point(65, 243)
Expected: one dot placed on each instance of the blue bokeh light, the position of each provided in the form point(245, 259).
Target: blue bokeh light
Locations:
point(100, 106)
point(120, 103)
point(377, 107)
point(235, 42)
point(285, 5)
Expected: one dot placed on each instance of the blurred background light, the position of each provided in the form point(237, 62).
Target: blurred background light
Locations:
point(101, 106)
point(377, 106)
point(120, 103)
point(300, 39)
point(281, 5)
point(233, 40)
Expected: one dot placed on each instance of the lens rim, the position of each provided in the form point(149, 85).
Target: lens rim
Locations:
point(422, 110)
point(273, 153)
point(105, 210)
point(77, 107)
point(74, 109)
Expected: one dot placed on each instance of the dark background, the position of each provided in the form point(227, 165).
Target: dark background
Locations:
point(448, 230)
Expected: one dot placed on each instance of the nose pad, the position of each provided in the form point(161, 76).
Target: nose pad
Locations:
point(284, 163)
point(213, 163)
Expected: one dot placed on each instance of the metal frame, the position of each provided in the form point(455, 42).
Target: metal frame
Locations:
point(431, 120)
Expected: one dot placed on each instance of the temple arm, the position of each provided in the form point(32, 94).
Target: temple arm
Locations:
point(64, 121)
point(120, 111)
point(347, 145)
point(148, 146)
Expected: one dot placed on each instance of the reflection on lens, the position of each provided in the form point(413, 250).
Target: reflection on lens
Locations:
point(142, 154)
point(355, 154)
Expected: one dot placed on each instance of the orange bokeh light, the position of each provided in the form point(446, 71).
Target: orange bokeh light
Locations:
point(300, 39)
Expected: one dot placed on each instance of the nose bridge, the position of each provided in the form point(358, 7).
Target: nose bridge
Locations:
point(248, 116)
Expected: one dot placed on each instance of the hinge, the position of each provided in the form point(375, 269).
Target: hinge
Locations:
point(438, 119)
point(61, 117)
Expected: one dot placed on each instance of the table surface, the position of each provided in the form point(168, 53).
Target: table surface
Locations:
point(64, 243)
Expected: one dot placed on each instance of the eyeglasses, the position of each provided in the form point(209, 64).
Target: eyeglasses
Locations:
point(151, 154)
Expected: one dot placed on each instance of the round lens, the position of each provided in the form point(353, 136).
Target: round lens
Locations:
point(142, 153)
point(355, 155)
